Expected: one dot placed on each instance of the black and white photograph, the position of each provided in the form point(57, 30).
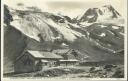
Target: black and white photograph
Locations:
point(64, 39)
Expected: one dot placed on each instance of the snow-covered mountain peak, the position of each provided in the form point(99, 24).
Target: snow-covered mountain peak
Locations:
point(106, 12)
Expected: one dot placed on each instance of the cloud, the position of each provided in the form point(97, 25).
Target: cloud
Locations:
point(74, 8)
point(71, 8)
point(68, 5)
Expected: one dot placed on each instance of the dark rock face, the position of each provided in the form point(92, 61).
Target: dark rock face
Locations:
point(7, 17)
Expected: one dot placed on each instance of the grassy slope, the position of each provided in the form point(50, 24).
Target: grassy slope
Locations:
point(87, 47)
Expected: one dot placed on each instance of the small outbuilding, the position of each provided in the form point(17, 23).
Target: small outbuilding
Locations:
point(70, 56)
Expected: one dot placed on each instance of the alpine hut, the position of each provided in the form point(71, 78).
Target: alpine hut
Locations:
point(31, 61)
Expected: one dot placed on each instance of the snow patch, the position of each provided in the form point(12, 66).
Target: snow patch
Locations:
point(74, 25)
point(15, 17)
point(102, 35)
point(115, 27)
point(85, 24)
point(17, 25)
point(68, 33)
point(63, 44)
point(121, 33)
point(90, 16)
point(102, 26)
point(110, 32)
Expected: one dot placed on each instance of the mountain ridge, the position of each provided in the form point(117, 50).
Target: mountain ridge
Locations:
point(106, 12)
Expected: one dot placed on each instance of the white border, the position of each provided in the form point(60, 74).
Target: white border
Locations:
point(2, 37)
point(82, 79)
point(125, 41)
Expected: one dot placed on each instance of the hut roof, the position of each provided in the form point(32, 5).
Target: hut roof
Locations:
point(36, 54)
point(42, 54)
point(69, 60)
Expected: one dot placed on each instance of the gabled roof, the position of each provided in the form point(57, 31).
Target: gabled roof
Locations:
point(35, 54)
point(42, 54)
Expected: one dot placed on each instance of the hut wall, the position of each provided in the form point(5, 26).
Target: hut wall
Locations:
point(25, 64)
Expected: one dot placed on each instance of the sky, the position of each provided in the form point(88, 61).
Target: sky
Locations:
point(71, 8)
